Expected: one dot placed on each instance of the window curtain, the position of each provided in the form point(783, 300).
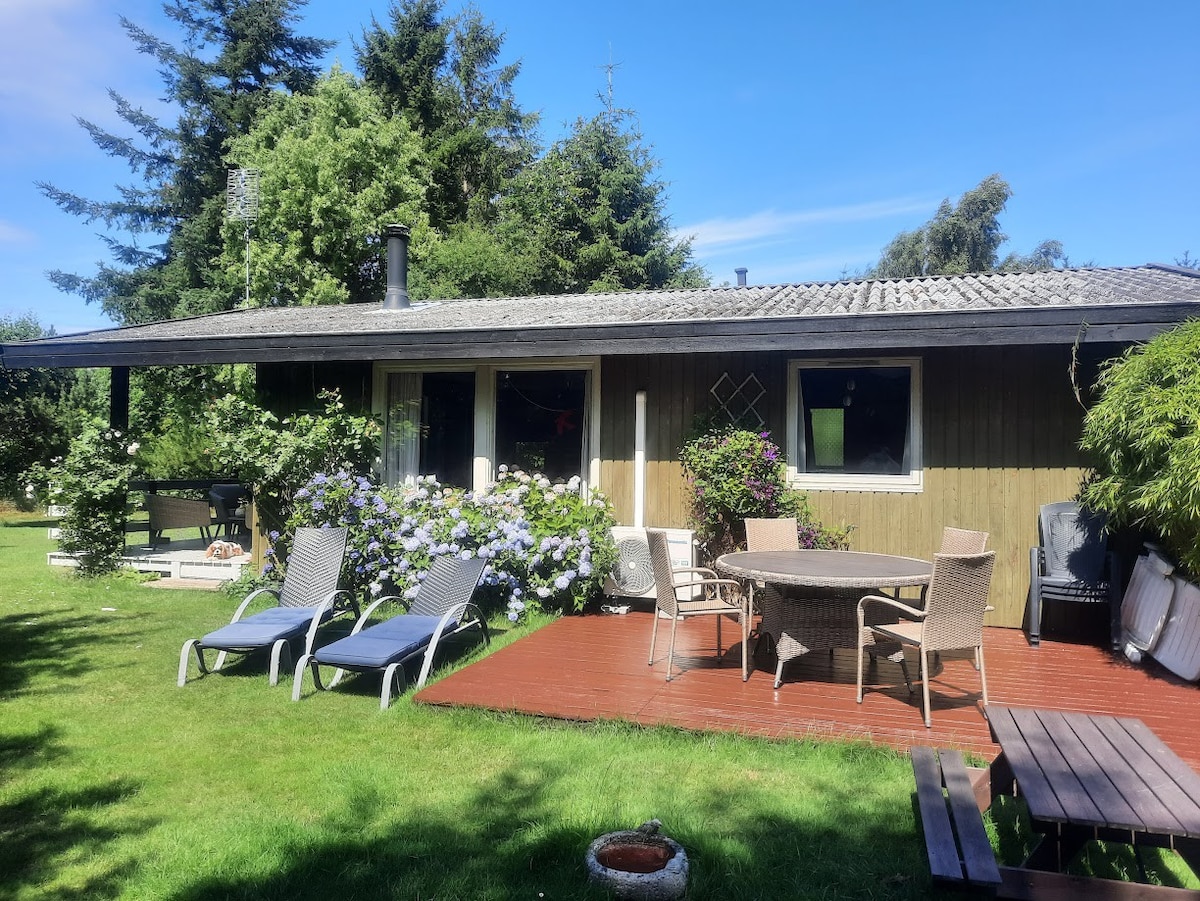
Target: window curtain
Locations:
point(403, 460)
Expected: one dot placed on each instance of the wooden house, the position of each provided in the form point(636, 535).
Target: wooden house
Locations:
point(903, 406)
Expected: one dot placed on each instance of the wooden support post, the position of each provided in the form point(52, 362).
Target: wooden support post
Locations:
point(118, 398)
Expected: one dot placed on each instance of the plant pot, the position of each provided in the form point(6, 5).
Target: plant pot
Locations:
point(639, 864)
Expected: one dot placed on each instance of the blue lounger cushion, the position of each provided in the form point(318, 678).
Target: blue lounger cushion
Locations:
point(263, 629)
point(382, 645)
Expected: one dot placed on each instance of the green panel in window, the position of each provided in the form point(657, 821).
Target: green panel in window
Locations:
point(828, 429)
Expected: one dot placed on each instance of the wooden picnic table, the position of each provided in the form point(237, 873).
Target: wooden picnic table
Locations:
point(1090, 776)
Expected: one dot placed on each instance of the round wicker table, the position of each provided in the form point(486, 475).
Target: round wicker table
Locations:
point(809, 599)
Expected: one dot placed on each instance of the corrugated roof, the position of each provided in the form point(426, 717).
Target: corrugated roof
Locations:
point(977, 292)
point(1047, 306)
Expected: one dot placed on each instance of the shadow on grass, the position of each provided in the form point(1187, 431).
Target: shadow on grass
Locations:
point(45, 828)
point(56, 643)
point(510, 841)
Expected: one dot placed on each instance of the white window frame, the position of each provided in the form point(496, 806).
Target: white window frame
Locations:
point(484, 468)
point(911, 481)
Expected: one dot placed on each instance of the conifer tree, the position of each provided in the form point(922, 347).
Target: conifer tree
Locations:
point(444, 76)
point(164, 230)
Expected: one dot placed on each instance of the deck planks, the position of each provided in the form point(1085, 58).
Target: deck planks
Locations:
point(594, 667)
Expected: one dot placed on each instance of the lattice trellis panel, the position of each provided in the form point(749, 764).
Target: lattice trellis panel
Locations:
point(739, 400)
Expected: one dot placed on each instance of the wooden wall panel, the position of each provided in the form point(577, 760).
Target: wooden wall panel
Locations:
point(999, 433)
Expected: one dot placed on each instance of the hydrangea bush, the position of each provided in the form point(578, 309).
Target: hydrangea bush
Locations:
point(547, 546)
point(735, 474)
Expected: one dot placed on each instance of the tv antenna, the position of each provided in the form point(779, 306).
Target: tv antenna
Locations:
point(241, 203)
point(608, 71)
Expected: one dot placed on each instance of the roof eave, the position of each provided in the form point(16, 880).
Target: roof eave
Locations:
point(1037, 325)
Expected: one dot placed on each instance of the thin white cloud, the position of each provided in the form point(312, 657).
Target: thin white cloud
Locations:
point(59, 57)
point(13, 235)
point(771, 226)
point(825, 267)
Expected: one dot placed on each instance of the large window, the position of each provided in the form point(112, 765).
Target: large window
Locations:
point(431, 425)
point(855, 425)
point(540, 418)
point(459, 423)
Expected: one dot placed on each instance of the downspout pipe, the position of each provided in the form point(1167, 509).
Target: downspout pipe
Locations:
point(396, 297)
point(639, 459)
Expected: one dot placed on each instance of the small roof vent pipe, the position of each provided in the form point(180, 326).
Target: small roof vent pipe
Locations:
point(741, 274)
point(396, 297)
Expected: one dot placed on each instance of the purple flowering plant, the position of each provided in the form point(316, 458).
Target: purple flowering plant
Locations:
point(736, 473)
point(547, 545)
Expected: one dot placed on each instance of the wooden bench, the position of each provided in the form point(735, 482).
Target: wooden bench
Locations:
point(955, 839)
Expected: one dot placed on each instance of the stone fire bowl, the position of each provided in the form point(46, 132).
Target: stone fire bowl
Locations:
point(639, 864)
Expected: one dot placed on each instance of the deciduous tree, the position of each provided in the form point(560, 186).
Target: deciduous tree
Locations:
point(963, 238)
point(40, 409)
point(335, 168)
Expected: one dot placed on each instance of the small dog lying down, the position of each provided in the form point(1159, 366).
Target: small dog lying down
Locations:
point(223, 550)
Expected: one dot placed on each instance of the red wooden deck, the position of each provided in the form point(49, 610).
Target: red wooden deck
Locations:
point(594, 667)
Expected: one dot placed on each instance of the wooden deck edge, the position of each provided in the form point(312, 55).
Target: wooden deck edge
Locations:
point(1040, 885)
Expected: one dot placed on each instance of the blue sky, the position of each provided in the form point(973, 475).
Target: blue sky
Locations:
point(796, 138)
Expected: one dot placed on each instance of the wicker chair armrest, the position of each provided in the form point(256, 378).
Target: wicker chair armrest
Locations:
point(903, 609)
point(704, 570)
point(729, 583)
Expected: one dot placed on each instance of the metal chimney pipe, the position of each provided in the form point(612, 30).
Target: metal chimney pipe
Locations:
point(396, 297)
point(741, 274)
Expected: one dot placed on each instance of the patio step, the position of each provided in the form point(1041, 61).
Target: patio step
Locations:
point(178, 560)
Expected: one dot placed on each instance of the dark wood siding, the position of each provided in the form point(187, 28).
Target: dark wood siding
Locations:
point(1000, 426)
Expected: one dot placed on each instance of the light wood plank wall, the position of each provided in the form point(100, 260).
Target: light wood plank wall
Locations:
point(1000, 429)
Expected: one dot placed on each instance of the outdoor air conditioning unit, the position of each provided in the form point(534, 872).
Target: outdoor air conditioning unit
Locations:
point(633, 576)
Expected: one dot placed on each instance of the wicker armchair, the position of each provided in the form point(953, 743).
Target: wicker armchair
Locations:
point(177, 513)
point(719, 597)
point(951, 621)
point(962, 541)
point(772, 534)
point(228, 503)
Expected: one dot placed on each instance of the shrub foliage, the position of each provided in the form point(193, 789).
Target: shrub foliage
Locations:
point(1144, 437)
point(548, 546)
point(92, 483)
point(737, 474)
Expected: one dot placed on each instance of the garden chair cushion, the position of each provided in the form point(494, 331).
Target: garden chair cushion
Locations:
point(263, 628)
point(381, 644)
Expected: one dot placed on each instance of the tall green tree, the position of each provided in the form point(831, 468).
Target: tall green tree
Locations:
point(40, 409)
point(444, 75)
point(164, 230)
point(961, 238)
point(590, 215)
point(335, 169)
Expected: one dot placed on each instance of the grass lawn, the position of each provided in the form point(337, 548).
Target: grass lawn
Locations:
point(114, 783)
